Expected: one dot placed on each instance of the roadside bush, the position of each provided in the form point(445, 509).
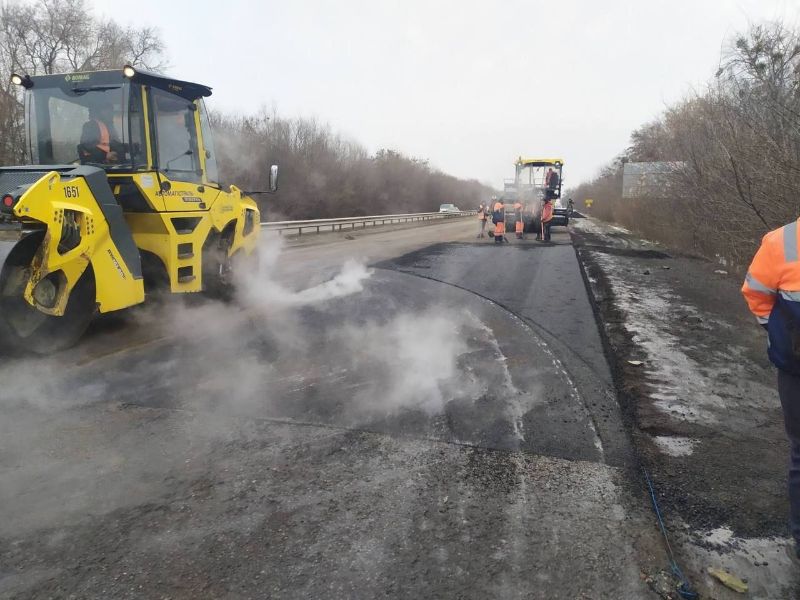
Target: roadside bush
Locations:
point(323, 174)
point(740, 143)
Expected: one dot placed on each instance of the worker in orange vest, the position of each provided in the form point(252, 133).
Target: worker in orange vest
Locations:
point(518, 224)
point(99, 141)
point(547, 217)
point(483, 211)
point(772, 291)
point(499, 220)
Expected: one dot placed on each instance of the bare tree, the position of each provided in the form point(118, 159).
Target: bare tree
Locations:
point(329, 175)
point(740, 143)
point(43, 37)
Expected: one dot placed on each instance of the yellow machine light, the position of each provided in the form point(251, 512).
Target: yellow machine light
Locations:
point(128, 71)
point(23, 80)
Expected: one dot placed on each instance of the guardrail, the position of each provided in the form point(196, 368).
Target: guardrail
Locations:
point(350, 223)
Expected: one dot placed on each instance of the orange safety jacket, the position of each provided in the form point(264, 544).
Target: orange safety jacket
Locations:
point(498, 212)
point(518, 224)
point(772, 291)
point(547, 212)
point(105, 139)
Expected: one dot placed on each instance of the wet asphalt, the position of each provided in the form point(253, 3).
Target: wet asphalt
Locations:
point(448, 431)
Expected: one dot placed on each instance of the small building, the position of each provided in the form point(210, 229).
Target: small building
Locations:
point(650, 179)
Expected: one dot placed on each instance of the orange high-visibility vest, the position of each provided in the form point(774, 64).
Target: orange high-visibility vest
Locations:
point(105, 138)
point(498, 206)
point(517, 205)
point(547, 212)
point(772, 291)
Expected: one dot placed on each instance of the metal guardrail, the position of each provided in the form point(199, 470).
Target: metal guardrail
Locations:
point(350, 223)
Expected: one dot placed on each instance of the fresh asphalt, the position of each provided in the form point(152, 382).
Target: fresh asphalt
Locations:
point(448, 431)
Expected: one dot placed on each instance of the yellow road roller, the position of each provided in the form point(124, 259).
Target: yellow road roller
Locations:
point(121, 196)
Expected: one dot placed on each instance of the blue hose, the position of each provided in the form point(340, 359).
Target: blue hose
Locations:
point(685, 588)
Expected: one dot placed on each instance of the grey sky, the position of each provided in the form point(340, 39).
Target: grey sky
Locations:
point(469, 85)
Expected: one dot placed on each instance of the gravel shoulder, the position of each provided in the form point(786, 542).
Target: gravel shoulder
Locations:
point(699, 396)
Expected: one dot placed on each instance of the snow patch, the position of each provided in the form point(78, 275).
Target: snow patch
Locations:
point(675, 445)
point(763, 562)
point(680, 389)
point(619, 229)
point(721, 536)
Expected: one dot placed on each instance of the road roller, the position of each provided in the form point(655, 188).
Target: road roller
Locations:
point(121, 196)
point(534, 180)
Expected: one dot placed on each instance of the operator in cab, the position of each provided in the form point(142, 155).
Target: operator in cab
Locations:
point(99, 140)
point(551, 183)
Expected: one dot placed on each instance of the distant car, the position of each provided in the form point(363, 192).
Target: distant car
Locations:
point(449, 208)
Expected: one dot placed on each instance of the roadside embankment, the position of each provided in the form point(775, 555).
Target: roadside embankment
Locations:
point(699, 397)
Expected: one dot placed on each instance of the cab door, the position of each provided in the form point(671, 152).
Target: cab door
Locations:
point(179, 153)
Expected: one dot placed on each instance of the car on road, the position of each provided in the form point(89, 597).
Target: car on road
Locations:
point(449, 208)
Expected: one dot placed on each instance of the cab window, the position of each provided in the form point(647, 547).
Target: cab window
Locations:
point(138, 146)
point(61, 121)
point(176, 136)
point(212, 171)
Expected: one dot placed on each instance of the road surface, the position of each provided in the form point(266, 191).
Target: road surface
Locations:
point(441, 423)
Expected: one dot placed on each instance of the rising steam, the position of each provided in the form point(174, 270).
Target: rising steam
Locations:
point(263, 292)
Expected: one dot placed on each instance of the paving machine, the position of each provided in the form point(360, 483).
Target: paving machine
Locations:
point(534, 180)
point(121, 195)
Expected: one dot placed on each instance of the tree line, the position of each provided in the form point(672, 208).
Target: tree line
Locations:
point(736, 145)
point(323, 174)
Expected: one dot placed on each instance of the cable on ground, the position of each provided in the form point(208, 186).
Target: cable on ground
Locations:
point(685, 588)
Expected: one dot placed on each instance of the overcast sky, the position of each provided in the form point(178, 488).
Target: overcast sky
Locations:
point(468, 85)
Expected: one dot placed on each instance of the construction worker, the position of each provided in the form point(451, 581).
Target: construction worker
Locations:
point(547, 217)
point(99, 141)
point(552, 181)
point(547, 177)
point(518, 224)
point(499, 220)
point(772, 291)
point(482, 216)
point(570, 207)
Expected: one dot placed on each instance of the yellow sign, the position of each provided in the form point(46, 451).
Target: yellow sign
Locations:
point(588, 202)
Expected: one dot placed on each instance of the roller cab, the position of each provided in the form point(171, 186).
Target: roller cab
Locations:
point(121, 196)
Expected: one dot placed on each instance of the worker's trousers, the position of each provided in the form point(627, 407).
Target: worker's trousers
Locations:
point(789, 391)
point(547, 231)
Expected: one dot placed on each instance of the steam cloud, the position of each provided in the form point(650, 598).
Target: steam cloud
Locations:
point(412, 358)
point(264, 293)
point(263, 355)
